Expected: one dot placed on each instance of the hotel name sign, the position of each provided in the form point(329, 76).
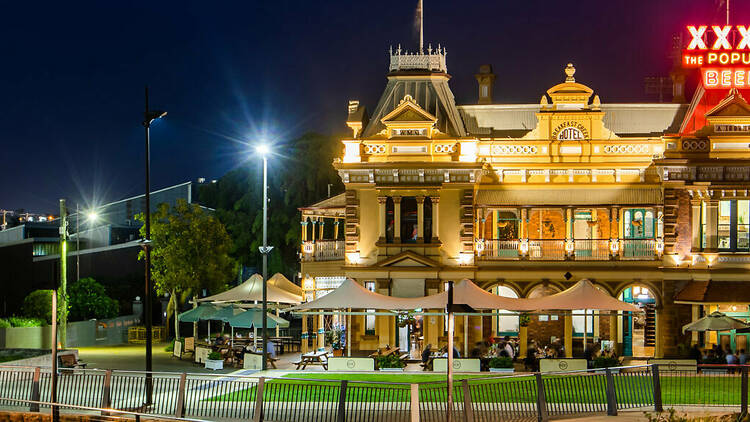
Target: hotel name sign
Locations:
point(570, 131)
point(722, 53)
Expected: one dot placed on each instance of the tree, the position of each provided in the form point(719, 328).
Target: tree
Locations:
point(38, 304)
point(190, 251)
point(297, 177)
point(88, 299)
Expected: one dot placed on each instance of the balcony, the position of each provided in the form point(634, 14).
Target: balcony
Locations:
point(577, 249)
point(323, 250)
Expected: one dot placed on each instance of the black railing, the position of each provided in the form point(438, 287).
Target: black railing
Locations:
point(524, 396)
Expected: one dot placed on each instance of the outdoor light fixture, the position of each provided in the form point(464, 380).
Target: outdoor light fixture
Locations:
point(353, 257)
point(523, 246)
point(614, 246)
point(308, 247)
point(92, 216)
point(262, 149)
point(479, 246)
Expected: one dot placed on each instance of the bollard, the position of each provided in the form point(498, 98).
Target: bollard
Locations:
point(611, 396)
point(414, 410)
point(341, 415)
point(541, 399)
point(258, 414)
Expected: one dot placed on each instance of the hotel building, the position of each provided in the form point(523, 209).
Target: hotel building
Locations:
point(649, 201)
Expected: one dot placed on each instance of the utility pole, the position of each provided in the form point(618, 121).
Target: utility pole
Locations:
point(63, 305)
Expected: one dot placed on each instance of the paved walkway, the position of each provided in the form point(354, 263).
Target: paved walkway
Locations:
point(638, 416)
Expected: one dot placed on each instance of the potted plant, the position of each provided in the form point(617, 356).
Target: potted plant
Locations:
point(334, 337)
point(524, 319)
point(214, 361)
point(390, 363)
point(501, 364)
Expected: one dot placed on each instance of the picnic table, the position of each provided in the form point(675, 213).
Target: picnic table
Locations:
point(313, 358)
point(385, 352)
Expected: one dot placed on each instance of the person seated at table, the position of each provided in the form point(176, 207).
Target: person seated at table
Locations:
point(476, 351)
point(509, 347)
point(271, 348)
point(219, 340)
point(741, 357)
point(426, 353)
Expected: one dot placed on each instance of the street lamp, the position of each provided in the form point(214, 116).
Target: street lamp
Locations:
point(264, 150)
point(148, 117)
point(91, 216)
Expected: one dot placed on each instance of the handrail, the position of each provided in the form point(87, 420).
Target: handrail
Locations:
point(149, 416)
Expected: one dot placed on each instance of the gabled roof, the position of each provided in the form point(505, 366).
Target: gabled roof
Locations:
point(408, 259)
point(430, 91)
point(338, 201)
point(408, 111)
point(733, 105)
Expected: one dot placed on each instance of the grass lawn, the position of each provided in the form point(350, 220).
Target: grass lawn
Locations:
point(633, 390)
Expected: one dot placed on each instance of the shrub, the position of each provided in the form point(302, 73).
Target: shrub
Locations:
point(38, 304)
point(25, 322)
point(170, 346)
point(390, 361)
point(501, 362)
point(605, 362)
point(88, 299)
point(4, 323)
point(214, 356)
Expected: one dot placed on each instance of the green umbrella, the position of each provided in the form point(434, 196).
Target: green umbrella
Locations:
point(201, 313)
point(253, 318)
point(717, 321)
point(226, 313)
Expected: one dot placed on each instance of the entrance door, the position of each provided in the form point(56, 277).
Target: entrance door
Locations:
point(635, 229)
point(627, 325)
point(582, 233)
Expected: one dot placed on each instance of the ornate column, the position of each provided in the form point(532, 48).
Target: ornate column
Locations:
point(320, 226)
point(381, 218)
point(304, 229)
point(314, 221)
point(397, 219)
point(420, 219)
point(712, 228)
point(303, 337)
point(435, 216)
point(336, 229)
point(695, 223)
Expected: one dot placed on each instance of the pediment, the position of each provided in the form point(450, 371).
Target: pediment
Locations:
point(734, 105)
point(409, 111)
point(408, 259)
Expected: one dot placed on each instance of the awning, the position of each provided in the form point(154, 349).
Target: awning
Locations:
point(283, 283)
point(541, 197)
point(253, 318)
point(714, 292)
point(203, 312)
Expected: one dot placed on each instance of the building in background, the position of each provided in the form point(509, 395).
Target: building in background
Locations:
point(647, 200)
point(29, 252)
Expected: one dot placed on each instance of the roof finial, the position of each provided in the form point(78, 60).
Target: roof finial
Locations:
point(570, 70)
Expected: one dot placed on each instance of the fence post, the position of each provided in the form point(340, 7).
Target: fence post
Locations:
point(258, 413)
point(35, 392)
point(611, 396)
point(743, 391)
point(414, 409)
point(468, 409)
point(658, 407)
point(107, 392)
point(179, 411)
point(341, 414)
point(541, 399)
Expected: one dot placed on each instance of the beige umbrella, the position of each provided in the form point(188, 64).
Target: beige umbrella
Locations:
point(716, 321)
point(582, 295)
point(278, 280)
point(252, 290)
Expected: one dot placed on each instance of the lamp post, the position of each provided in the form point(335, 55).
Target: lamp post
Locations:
point(148, 117)
point(90, 216)
point(263, 150)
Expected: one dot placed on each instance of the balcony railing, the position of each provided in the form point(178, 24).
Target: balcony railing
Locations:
point(323, 250)
point(577, 249)
point(547, 249)
point(591, 249)
point(638, 249)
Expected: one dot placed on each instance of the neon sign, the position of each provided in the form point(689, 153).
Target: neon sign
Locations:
point(722, 53)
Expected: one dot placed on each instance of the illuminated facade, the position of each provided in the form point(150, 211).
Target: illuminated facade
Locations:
point(649, 201)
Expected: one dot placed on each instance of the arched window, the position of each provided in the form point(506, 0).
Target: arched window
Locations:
point(507, 322)
point(390, 222)
point(409, 231)
point(427, 220)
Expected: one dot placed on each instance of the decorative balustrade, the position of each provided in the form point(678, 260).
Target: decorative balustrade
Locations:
point(577, 249)
point(323, 250)
point(638, 249)
point(591, 249)
point(433, 60)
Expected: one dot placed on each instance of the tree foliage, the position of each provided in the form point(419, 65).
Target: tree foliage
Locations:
point(298, 175)
point(189, 252)
point(38, 304)
point(88, 299)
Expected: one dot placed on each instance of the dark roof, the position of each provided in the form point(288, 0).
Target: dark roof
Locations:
point(715, 292)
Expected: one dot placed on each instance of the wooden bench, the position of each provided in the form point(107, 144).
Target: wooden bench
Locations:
point(69, 361)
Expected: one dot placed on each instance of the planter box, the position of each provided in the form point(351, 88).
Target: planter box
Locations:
point(391, 369)
point(503, 370)
point(214, 364)
point(338, 352)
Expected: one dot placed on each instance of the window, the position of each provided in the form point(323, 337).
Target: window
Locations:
point(638, 223)
point(734, 225)
point(703, 224)
point(578, 321)
point(389, 220)
point(507, 321)
point(370, 318)
point(485, 91)
point(427, 220)
point(409, 232)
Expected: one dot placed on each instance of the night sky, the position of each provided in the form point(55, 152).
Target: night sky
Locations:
point(73, 74)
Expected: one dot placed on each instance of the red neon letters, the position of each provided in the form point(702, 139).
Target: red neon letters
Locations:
point(722, 78)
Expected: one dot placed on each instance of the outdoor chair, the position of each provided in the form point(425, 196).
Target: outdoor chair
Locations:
point(69, 361)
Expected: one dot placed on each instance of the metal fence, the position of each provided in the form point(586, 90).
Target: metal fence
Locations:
point(478, 398)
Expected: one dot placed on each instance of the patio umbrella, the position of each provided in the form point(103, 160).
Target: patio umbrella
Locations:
point(253, 318)
point(224, 314)
point(203, 312)
point(716, 321)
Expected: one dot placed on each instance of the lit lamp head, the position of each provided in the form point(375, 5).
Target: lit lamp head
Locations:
point(92, 216)
point(262, 149)
point(150, 116)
